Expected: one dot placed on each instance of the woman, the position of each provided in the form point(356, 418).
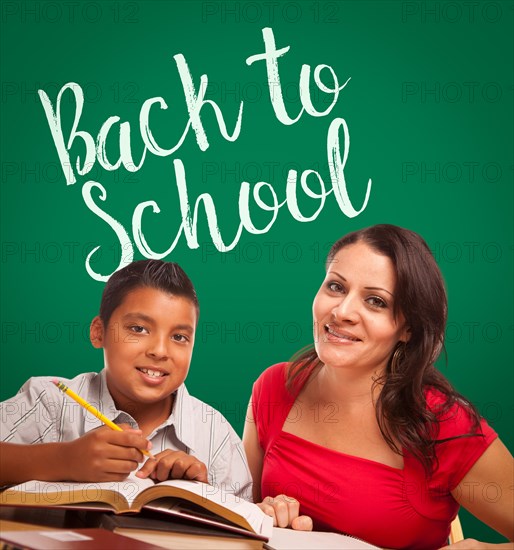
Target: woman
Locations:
point(362, 434)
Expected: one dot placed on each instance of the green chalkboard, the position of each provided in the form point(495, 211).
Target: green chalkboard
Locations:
point(424, 96)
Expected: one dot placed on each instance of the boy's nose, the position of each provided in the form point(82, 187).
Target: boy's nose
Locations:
point(157, 347)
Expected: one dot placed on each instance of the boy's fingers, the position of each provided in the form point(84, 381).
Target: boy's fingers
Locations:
point(120, 466)
point(158, 466)
point(174, 464)
point(125, 453)
point(189, 468)
point(197, 471)
point(163, 467)
point(178, 469)
point(126, 427)
point(131, 439)
point(147, 469)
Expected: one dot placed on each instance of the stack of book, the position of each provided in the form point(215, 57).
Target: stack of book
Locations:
point(170, 514)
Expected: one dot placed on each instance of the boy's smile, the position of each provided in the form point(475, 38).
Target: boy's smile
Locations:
point(148, 343)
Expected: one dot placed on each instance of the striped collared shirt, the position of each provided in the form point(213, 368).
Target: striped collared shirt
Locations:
point(40, 413)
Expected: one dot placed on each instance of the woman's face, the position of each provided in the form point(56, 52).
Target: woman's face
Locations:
point(354, 325)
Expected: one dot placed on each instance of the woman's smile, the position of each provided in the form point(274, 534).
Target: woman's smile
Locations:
point(354, 323)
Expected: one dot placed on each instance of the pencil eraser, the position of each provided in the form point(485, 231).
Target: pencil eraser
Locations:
point(55, 381)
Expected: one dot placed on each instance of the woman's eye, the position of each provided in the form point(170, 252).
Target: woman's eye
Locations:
point(333, 286)
point(375, 301)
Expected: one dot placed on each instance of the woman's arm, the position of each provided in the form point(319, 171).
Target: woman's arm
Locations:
point(283, 509)
point(487, 491)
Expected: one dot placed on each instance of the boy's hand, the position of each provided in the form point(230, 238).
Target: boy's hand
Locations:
point(174, 465)
point(104, 454)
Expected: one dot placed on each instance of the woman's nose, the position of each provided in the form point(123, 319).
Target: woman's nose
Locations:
point(347, 309)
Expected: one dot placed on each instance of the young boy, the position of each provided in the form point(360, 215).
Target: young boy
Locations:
point(146, 327)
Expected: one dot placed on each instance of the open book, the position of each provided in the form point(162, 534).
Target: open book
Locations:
point(191, 500)
point(287, 539)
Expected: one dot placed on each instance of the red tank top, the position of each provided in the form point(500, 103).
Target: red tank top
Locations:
point(386, 506)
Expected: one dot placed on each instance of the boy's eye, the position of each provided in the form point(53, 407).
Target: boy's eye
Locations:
point(180, 338)
point(377, 302)
point(138, 329)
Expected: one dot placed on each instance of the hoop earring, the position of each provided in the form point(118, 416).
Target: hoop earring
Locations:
point(398, 357)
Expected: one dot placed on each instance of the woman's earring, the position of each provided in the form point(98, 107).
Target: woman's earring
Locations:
point(398, 356)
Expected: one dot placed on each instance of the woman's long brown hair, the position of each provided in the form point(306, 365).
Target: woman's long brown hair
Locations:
point(402, 414)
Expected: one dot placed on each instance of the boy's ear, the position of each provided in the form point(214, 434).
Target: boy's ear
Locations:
point(96, 332)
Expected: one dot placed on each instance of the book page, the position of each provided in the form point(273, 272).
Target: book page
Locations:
point(186, 541)
point(186, 510)
point(218, 501)
point(52, 493)
point(287, 539)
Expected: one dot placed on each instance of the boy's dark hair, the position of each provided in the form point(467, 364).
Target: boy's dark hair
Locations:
point(166, 276)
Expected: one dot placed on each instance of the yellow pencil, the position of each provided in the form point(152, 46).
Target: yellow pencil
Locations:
point(93, 410)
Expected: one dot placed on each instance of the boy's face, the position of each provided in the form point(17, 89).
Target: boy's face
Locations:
point(147, 345)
